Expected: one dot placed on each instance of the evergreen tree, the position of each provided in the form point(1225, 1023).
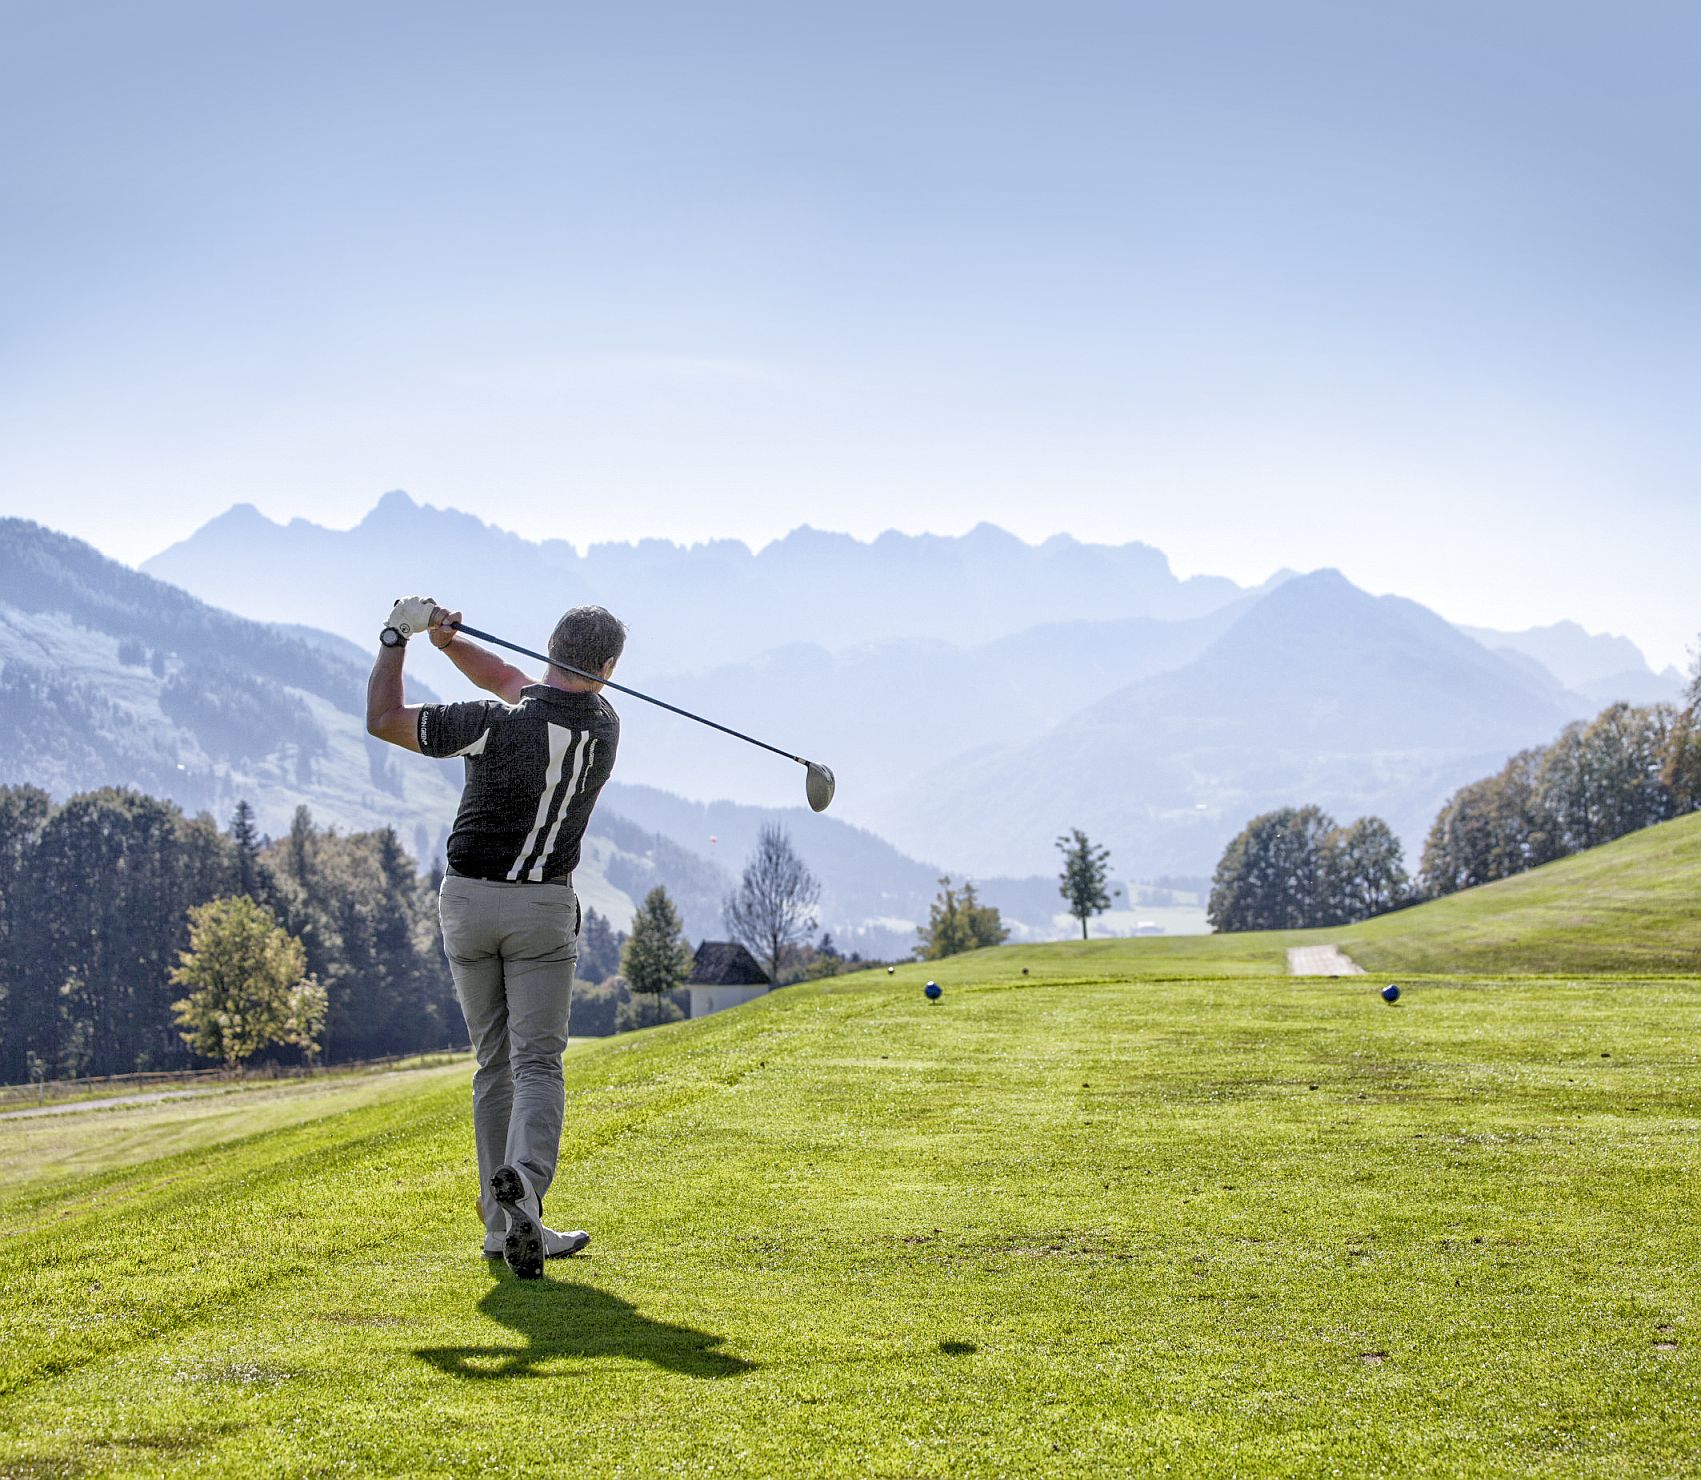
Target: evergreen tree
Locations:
point(599, 948)
point(371, 937)
point(656, 958)
point(24, 811)
point(245, 839)
point(101, 917)
point(1086, 870)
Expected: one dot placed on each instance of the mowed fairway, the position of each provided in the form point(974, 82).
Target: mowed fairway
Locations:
point(1120, 1214)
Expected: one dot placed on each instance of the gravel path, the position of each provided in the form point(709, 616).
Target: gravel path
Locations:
point(1322, 961)
point(73, 1106)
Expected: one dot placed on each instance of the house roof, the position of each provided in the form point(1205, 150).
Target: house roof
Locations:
point(725, 963)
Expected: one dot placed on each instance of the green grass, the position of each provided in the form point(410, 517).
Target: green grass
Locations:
point(1153, 1205)
point(1628, 906)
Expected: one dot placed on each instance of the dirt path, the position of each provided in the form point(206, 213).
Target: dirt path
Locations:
point(1322, 961)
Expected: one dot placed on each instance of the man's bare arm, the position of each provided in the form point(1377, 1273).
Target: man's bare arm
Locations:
point(387, 716)
point(480, 665)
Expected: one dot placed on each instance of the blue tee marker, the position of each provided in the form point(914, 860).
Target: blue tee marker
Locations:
point(1390, 993)
point(934, 991)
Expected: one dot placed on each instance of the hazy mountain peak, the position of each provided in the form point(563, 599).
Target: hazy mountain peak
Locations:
point(238, 518)
point(396, 504)
point(808, 539)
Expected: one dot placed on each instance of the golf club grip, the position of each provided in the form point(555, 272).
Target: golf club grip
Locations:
point(514, 647)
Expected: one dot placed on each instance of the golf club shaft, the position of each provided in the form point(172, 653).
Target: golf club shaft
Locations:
point(514, 647)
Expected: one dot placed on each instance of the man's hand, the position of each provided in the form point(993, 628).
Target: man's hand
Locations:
point(411, 614)
point(442, 626)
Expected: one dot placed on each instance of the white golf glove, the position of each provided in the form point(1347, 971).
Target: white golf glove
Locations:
point(411, 614)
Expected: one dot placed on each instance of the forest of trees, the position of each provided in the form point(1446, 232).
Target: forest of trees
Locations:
point(95, 895)
point(1628, 768)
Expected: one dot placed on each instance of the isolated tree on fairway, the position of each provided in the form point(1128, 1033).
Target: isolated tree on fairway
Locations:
point(247, 983)
point(957, 921)
point(1086, 869)
point(656, 957)
point(773, 909)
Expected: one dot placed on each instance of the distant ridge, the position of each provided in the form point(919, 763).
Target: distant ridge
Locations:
point(691, 604)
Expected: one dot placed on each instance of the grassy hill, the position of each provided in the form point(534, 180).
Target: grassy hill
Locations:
point(1151, 1205)
point(1627, 906)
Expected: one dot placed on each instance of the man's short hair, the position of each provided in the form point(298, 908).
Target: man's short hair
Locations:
point(587, 637)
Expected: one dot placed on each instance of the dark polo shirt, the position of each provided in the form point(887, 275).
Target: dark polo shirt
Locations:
point(533, 772)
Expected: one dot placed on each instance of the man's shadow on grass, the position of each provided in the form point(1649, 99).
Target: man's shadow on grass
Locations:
point(563, 1320)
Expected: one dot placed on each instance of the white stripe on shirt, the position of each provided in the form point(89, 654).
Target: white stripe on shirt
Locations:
point(560, 739)
point(581, 771)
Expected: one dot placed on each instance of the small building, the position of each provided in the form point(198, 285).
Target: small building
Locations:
point(723, 975)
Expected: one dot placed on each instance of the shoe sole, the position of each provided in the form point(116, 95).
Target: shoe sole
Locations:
point(523, 1248)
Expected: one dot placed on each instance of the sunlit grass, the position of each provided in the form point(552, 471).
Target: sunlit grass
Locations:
point(1141, 1207)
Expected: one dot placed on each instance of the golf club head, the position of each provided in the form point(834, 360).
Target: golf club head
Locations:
point(819, 785)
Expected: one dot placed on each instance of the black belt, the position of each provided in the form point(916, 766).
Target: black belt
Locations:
point(461, 873)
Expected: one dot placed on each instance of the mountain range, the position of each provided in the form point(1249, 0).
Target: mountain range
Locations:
point(690, 606)
point(977, 695)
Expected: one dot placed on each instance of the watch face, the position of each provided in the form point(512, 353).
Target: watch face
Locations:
point(390, 637)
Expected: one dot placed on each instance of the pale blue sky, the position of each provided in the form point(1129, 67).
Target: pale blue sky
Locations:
point(1410, 289)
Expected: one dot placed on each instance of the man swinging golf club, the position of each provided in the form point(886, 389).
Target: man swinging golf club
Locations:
point(536, 757)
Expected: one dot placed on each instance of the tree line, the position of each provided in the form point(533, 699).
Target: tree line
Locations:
point(135, 938)
point(96, 895)
point(1628, 768)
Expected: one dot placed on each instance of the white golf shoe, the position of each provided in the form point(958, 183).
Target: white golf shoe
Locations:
point(528, 1242)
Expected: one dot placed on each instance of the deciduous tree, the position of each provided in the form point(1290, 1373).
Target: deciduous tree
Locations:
point(773, 909)
point(957, 921)
point(1273, 875)
point(1364, 871)
point(248, 988)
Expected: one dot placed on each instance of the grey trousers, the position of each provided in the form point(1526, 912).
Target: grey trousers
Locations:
point(512, 948)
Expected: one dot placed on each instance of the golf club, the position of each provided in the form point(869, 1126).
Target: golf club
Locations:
point(818, 784)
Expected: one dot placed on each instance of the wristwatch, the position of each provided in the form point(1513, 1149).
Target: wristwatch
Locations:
point(392, 637)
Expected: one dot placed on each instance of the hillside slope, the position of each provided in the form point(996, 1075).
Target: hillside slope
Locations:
point(1629, 906)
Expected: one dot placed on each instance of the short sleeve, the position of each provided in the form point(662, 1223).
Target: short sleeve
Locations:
point(447, 730)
